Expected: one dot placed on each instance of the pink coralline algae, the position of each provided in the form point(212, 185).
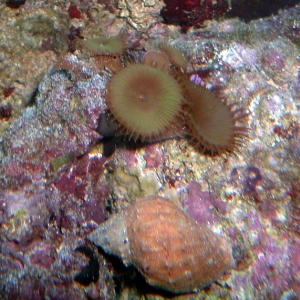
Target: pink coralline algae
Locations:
point(60, 179)
point(271, 262)
point(154, 157)
point(44, 256)
point(74, 13)
point(190, 12)
point(51, 190)
point(203, 206)
point(8, 91)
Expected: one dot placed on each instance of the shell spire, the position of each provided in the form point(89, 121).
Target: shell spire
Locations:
point(113, 239)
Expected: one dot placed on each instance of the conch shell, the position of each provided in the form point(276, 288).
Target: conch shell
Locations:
point(172, 251)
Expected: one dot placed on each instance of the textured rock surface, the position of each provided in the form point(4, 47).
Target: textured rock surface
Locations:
point(56, 185)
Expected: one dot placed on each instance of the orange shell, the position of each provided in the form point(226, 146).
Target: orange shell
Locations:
point(172, 251)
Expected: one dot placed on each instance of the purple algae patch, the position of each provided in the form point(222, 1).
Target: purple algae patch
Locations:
point(52, 190)
point(188, 13)
point(251, 180)
point(202, 206)
point(295, 265)
point(154, 157)
point(44, 256)
point(83, 182)
point(272, 265)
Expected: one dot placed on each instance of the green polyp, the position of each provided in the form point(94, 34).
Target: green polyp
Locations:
point(105, 45)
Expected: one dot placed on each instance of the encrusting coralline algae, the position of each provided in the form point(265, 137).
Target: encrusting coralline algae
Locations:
point(60, 180)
